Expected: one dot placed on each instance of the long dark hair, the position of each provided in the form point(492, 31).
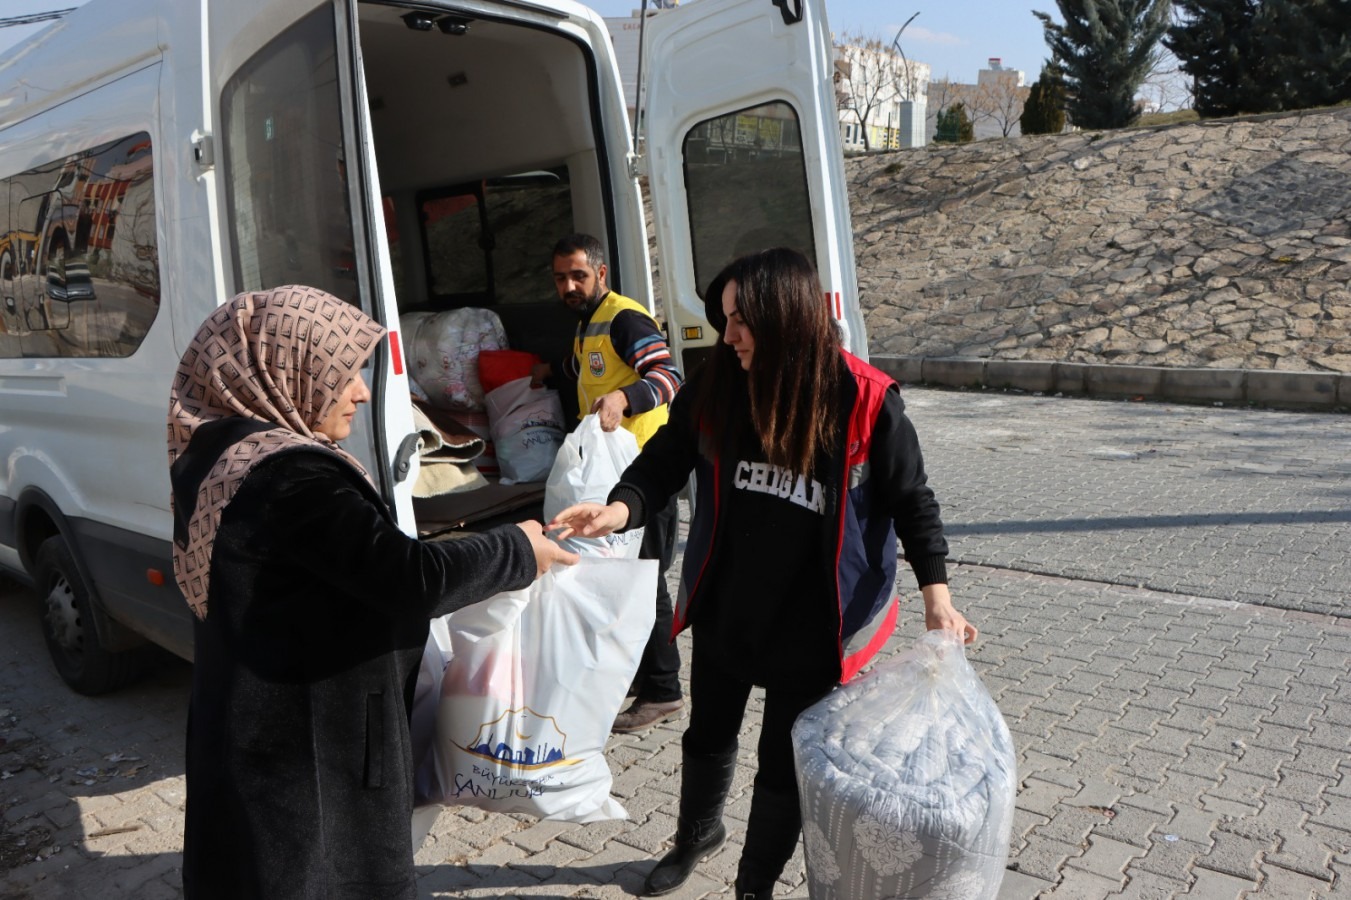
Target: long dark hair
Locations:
point(791, 392)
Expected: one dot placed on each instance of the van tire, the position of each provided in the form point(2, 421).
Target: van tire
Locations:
point(68, 626)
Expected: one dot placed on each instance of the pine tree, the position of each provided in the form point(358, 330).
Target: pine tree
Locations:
point(1216, 44)
point(1044, 111)
point(1107, 48)
point(1253, 56)
point(1313, 43)
point(954, 126)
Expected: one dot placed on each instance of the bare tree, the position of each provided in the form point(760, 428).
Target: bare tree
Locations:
point(871, 76)
point(1166, 88)
point(999, 99)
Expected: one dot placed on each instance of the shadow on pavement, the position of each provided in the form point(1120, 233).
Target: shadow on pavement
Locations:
point(1117, 523)
point(86, 778)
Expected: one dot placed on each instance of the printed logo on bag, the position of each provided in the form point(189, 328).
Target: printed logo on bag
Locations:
point(521, 739)
point(596, 360)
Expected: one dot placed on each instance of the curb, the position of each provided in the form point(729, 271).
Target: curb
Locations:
point(1259, 387)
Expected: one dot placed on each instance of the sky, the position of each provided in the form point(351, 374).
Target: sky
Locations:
point(955, 38)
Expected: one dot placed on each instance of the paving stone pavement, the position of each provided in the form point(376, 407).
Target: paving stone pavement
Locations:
point(1184, 738)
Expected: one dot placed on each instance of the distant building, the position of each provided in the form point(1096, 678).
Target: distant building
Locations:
point(880, 96)
point(996, 73)
point(994, 104)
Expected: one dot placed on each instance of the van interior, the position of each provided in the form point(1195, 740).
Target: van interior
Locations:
point(488, 148)
point(487, 151)
point(486, 140)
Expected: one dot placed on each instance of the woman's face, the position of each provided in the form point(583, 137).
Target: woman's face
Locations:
point(337, 425)
point(736, 335)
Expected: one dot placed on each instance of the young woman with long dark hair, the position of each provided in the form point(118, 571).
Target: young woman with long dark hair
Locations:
point(807, 470)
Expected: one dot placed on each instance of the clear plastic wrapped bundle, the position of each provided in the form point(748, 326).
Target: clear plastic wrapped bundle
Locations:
point(907, 777)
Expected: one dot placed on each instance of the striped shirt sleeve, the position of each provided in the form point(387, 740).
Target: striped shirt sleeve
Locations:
point(639, 341)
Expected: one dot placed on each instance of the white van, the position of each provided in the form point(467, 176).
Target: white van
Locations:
point(157, 157)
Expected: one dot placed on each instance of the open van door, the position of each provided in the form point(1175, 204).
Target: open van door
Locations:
point(743, 153)
point(298, 195)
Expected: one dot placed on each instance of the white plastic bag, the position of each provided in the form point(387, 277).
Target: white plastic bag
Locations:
point(527, 429)
point(588, 465)
point(907, 778)
point(533, 682)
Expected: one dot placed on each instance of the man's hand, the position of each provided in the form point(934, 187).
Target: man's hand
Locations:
point(539, 372)
point(609, 408)
point(547, 552)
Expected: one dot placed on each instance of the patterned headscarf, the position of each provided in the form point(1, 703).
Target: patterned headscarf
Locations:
point(283, 356)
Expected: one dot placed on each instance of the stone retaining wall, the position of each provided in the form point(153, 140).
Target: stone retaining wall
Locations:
point(1223, 245)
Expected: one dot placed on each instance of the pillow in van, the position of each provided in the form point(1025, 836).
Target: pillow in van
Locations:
point(443, 351)
point(527, 429)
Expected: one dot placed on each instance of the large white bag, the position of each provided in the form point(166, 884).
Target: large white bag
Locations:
point(907, 778)
point(527, 429)
point(588, 465)
point(443, 349)
point(532, 683)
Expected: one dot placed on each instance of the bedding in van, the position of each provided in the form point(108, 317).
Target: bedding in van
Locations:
point(443, 350)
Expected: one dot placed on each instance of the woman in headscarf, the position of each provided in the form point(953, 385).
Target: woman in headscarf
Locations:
point(311, 608)
point(808, 471)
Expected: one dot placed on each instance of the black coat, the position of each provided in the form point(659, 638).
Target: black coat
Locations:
point(299, 781)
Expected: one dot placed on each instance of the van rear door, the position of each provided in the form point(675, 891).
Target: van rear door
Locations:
point(297, 187)
point(743, 153)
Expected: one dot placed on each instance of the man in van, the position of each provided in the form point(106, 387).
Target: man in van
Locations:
point(625, 374)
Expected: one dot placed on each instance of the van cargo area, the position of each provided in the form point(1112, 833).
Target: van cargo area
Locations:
point(486, 149)
point(488, 145)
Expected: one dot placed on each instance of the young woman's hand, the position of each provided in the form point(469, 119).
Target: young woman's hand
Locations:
point(941, 615)
point(547, 551)
point(590, 520)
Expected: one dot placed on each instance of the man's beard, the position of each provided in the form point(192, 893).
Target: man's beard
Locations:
point(589, 304)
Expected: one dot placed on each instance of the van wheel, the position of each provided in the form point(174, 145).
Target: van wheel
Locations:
point(68, 626)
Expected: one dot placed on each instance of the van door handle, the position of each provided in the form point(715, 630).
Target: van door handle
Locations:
point(790, 16)
point(403, 460)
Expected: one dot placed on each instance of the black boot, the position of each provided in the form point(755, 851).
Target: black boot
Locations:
point(772, 833)
point(743, 892)
point(704, 782)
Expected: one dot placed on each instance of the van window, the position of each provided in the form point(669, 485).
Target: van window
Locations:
point(285, 167)
point(527, 213)
point(454, 234)
point(746, 184)
point(79, 261)
point(488, 243)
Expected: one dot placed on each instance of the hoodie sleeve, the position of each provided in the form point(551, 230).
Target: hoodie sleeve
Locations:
point(662, 467)
point(898, 471)
point(336, 533)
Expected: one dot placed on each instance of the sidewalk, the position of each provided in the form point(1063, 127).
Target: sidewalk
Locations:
point(1162, 597)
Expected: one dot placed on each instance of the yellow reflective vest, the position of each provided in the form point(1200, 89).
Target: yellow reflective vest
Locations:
point(601, 369)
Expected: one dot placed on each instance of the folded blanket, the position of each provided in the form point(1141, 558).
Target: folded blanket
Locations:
point(446, 458)
point(907, 777)
point(444, 436)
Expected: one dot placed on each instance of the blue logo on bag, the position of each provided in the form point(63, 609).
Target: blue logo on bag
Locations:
point(521, 739)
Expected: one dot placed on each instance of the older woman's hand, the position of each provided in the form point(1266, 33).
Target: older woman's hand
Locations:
point(547, 551)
